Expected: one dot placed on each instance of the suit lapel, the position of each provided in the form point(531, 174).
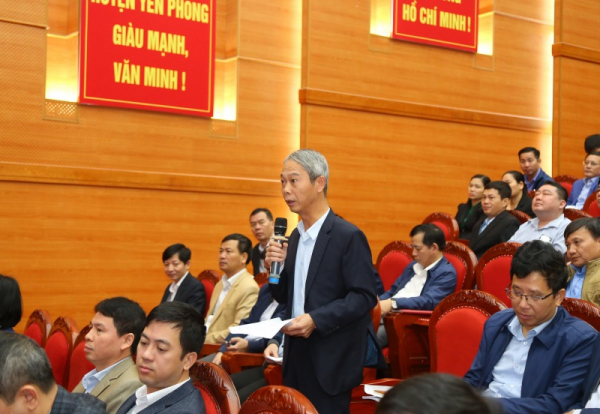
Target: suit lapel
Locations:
point(114, 374)
point(290, 263)
point(164, 403)
point(227, 298)
point(318, 251)
point(182, 289)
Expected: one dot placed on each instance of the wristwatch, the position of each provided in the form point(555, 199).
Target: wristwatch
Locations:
point(394, 304)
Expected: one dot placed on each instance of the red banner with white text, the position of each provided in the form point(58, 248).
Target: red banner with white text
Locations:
point(156, 55)
point(446, 23)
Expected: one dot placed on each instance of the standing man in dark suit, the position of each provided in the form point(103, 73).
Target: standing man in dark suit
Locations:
point(27, 384)
point(184, 287)
point(328, 285)
point(498, 225)
point(169, 347)
point(262, 225)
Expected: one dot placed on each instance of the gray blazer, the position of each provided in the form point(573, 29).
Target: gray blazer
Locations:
point(184, 400)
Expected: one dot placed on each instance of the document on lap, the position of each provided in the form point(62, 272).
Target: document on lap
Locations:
point(265, 329)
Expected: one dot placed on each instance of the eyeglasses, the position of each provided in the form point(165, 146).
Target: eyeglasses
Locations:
point(518, 296)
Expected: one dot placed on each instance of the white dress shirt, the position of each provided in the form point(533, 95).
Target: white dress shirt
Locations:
point(92, 378)
point(414, 287)
point(144, 400)
point(174, 287)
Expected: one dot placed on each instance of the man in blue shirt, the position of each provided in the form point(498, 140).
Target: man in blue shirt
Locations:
point(582, 238)
point(584, 187)
point(530, 160)
point(534, 357)
point(425, 281)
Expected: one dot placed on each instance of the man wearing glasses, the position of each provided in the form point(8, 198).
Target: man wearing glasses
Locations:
point(534, 356)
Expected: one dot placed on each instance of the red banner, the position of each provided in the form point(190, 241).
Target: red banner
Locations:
point(446, 23)
point(156, 55)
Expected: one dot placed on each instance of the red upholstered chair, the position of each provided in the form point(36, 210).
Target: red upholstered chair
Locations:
point(493, 270)
point(59, 348)
point(446, 223)
point(38, 326)
point(79, 365)
point(209, 279)
point(464, 261)
point(274, 375)
point(566, 181)
point(591, 205)
point(456, 327)
point(574, 214)
point(391, 262)
point(583, 310)
point(261, 278)
point(277, 399)
point(217, 389)
point(522, 217)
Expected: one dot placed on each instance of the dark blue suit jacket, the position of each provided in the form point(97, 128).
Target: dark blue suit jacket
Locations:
point(440, 282)
point(262, 303)
point(191, 291)
point(592, 380)
point(542, 178)
point(339, 294)
point(556, 363)
point(576, 190)
point(184, 400)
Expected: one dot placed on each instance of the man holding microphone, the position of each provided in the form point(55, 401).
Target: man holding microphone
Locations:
point(328, 284)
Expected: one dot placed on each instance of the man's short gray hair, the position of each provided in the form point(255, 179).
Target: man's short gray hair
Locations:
point(313, 162)
point(22, 362)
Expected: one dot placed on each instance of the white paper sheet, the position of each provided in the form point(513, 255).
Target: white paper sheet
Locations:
point(266, 329)
point(375, 392)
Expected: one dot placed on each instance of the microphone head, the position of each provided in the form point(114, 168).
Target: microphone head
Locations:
point(280, 226)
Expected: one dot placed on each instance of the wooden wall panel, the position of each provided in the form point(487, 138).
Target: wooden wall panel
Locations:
point(32, 12)
point(575, 19)
point(71, 246)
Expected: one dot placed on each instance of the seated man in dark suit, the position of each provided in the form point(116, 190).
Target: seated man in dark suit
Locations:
point(169, 347)
point(534, 356)
point(584, 187)
point(590, 402)
point(262, 225)
point(425, 281)
point(530, 160)
point(498, 225)
point(27, 384)
point(114, 334)
point(184, 287)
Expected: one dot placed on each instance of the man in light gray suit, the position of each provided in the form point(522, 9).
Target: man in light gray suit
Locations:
point(115, 331)
point(169, 347)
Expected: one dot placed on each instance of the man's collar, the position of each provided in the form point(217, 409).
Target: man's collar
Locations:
point(231, 280)
point(313, 231)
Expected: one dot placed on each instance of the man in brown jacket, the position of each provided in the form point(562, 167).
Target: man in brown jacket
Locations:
point(582, 238)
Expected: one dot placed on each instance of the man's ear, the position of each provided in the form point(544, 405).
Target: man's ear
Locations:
point(127, 341)
point(320, 182)
point(189, 359)
point(28, 397)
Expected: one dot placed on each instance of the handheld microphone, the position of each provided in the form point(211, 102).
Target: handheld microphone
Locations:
point(280, 230)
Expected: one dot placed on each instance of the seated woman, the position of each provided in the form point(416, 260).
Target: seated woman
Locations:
point(519, 199)
point(11, 303)
point(470, 212)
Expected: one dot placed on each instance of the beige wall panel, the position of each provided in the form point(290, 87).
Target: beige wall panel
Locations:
point(338, 59)
point(227, 29)
point(541, 10)
point(71, 246)
point(577, 115)
point(387, 173)
point(58, 16)
point(270, 30)
point(30, 11)
point(576, 20)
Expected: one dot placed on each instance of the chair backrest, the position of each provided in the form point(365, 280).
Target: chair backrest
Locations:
point(591, 205)
point(566, 181)
point(522, 217)
point(277, 399)
point(38, 326)
point(209, 279)
point(574, 214)
point(455, 329)
point(464, 261)
point(59, 348)
point(531, 194)
point(261, 278)
point(446, 223)
point(391, 262)
point(583, 310)
point(216, 386)
point(79, 365)
point(493, 270)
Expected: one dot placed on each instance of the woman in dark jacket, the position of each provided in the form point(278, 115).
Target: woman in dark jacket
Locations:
point(468, 213)
point(519, 199)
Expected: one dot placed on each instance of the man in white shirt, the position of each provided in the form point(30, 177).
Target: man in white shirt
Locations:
point(262, 225)
point(425, 281)
point(183, 287)
point(114, 334)
point(169, 347)
point(236, 293)
point(550, 224)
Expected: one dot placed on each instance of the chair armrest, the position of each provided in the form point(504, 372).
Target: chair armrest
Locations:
point(416, 312)
point(273, 375)
point(208, 349)
point(235, 362)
